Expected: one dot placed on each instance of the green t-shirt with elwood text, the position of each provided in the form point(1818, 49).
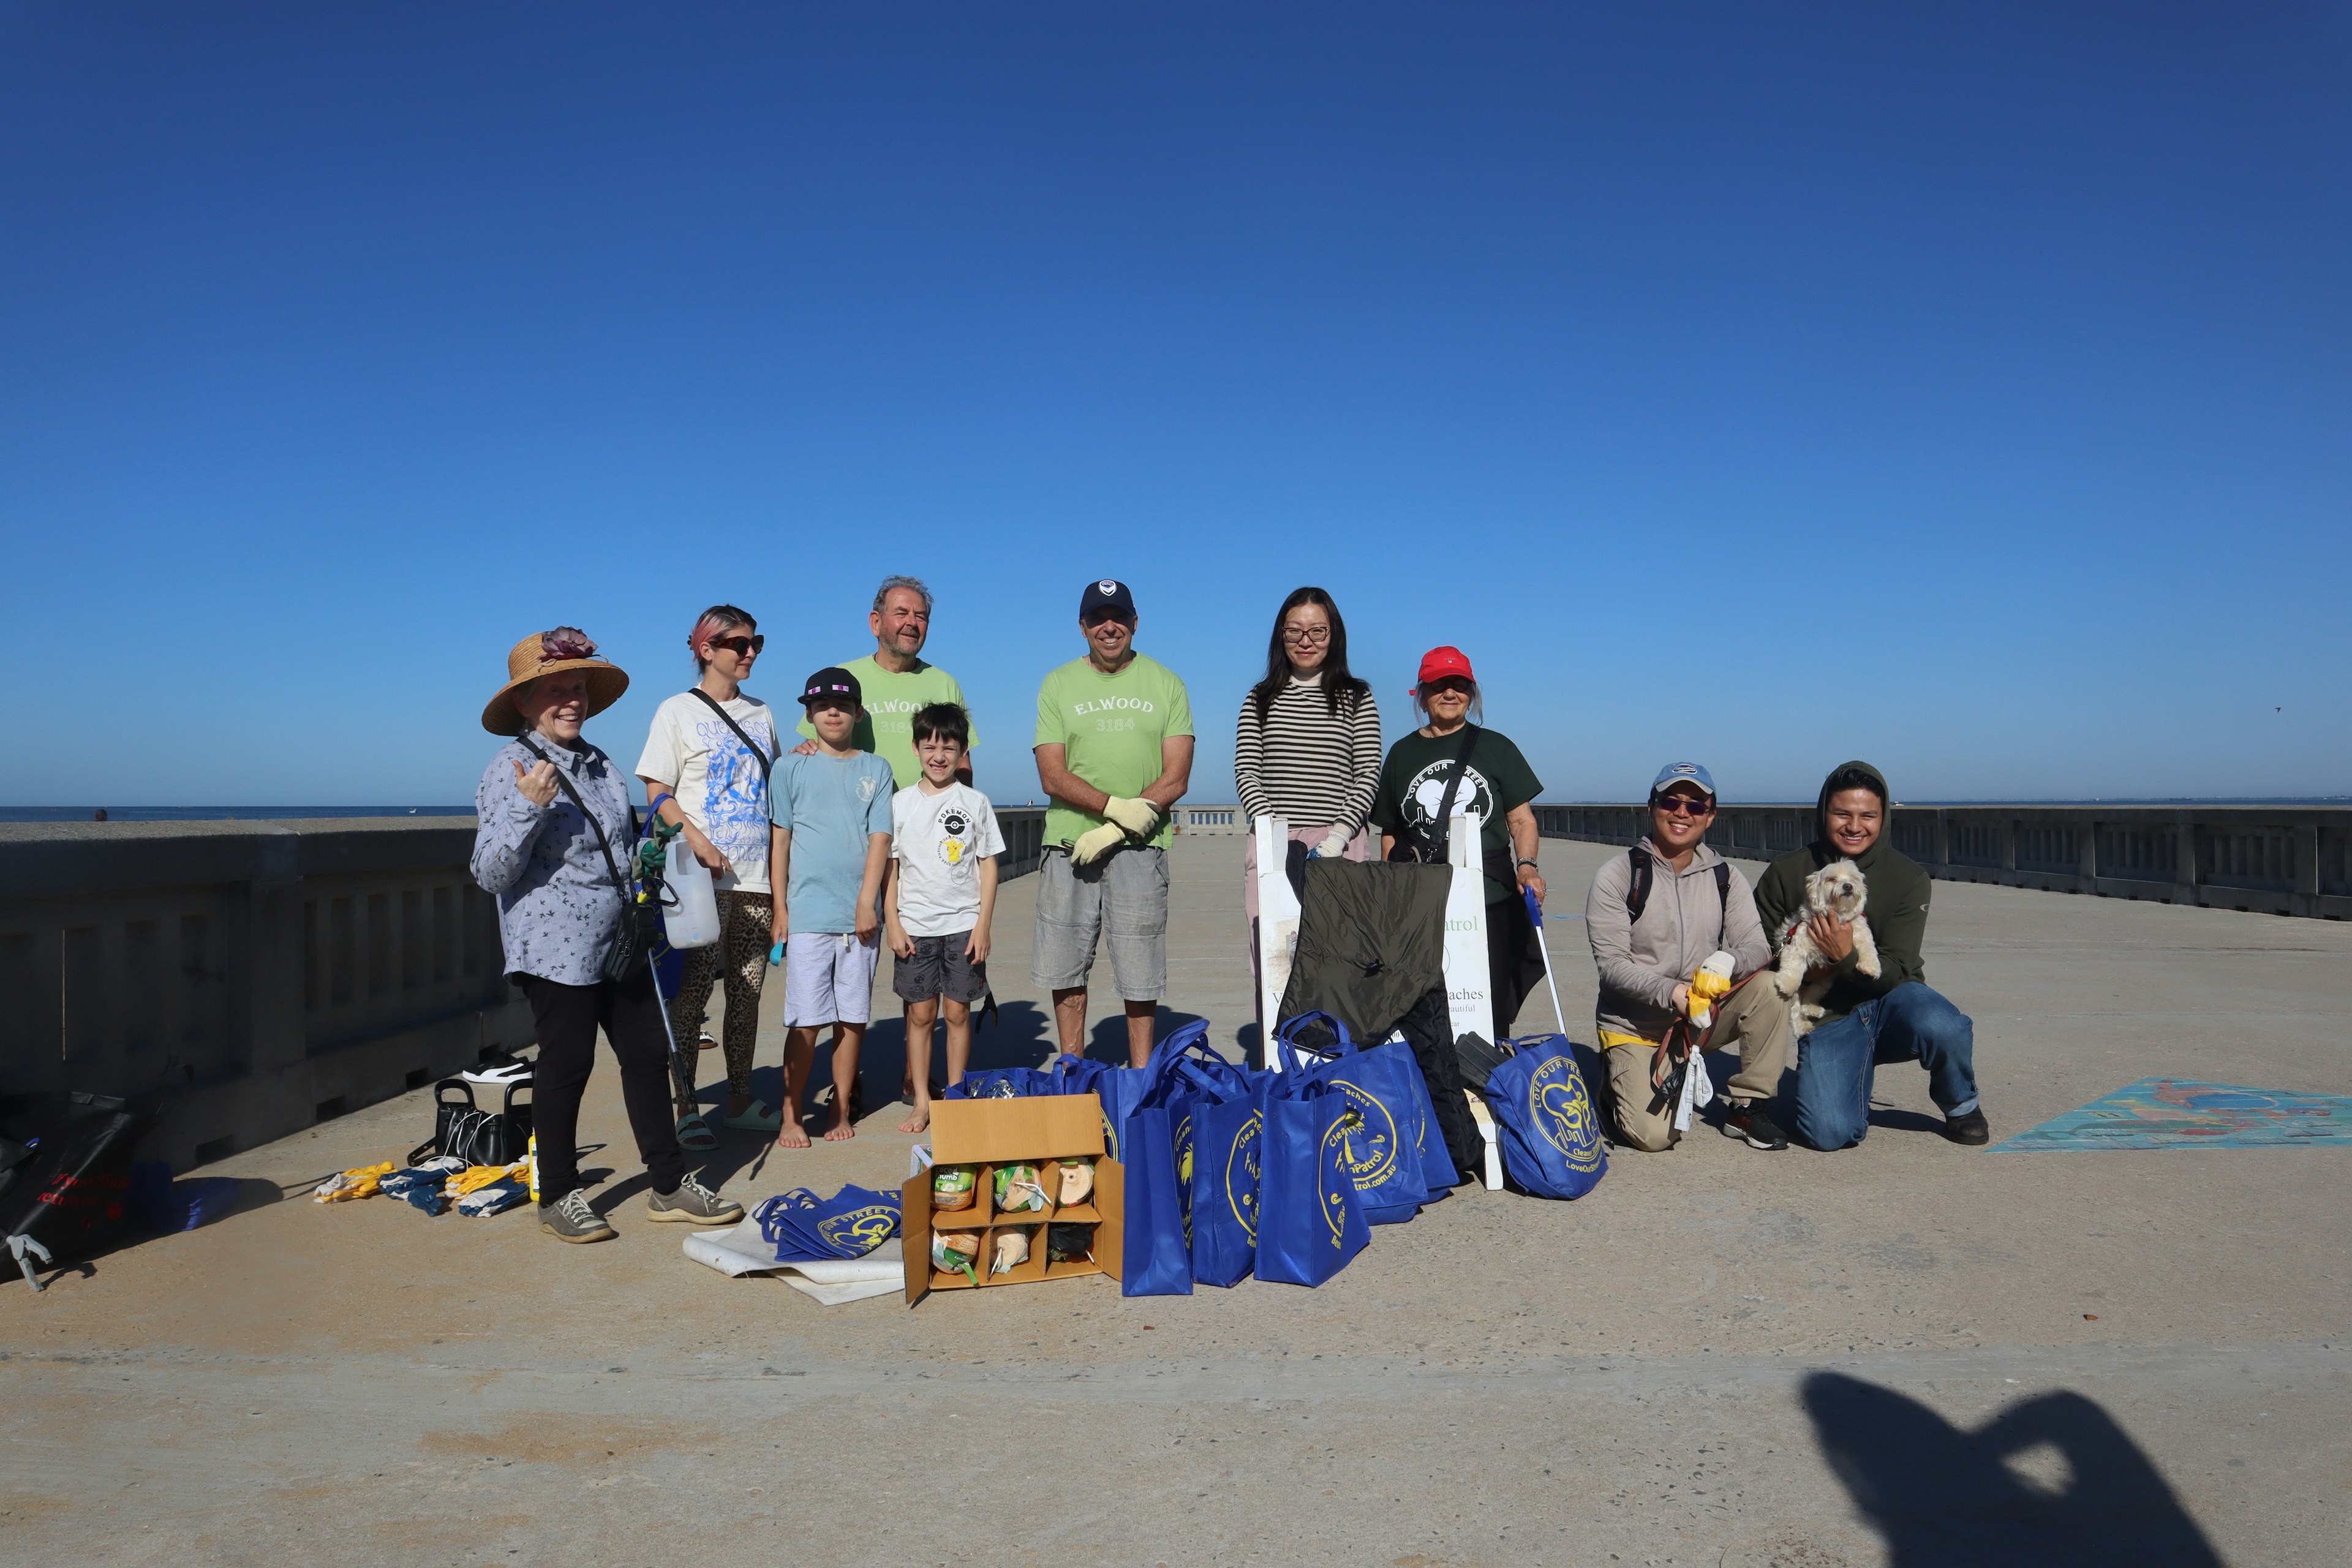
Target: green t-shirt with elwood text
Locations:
point(886, 728)
point(1413, 787)
point(1110, 727)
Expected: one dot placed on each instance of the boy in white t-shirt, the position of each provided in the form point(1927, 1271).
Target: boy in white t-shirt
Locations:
point(706, 764)
point(939, 899)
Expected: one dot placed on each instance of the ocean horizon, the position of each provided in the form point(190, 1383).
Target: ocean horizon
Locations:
point(270, 813)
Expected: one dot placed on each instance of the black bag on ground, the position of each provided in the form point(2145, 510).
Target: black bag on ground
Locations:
point(65, 1174)
point(461, 1127)
point(1429, 1026)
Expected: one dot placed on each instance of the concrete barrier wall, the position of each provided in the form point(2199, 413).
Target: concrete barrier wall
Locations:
point(2288, 860)
point(276, 974)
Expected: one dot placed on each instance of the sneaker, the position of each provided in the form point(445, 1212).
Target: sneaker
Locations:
point(1742, 1118)
point(569, 1218)
point(693, 1204)
point(1968, 1128)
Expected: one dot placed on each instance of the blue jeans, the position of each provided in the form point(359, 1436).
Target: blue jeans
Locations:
point(1837, 1062)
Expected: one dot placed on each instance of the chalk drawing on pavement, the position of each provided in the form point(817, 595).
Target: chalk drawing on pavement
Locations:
point(2176, 1113)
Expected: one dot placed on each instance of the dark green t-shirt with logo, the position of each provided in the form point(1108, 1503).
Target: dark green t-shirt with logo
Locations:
point(1413, 787)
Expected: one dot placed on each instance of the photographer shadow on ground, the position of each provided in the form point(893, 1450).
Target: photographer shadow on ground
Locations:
point(1946, 1497)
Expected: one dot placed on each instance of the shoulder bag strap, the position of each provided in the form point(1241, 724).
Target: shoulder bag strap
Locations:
point(1442, 838)
point(1637, 891)
point(767, 764)
point(602, 842)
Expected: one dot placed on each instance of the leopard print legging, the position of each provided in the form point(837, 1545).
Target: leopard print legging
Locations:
point(740, 954)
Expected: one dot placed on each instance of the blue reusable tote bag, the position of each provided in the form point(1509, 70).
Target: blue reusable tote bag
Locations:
point(806, 1229)
point(1382, 1150)
point(1543, 1118)
point(1158, 1257)
point(1310, 1223)
point(1227, 1143)
point(1001, 1083)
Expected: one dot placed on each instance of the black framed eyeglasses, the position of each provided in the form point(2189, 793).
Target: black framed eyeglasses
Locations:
point(741, 647)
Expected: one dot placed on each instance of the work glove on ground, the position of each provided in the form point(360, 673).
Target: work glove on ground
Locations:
point(1335, 843)
point(1139, 817)
point(1095, 843)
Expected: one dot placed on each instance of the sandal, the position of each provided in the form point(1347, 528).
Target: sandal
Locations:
point(759, 1119)
point(693, 1133)
point(705, 1043)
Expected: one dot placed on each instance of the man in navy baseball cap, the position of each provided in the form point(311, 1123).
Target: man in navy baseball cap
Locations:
point(1113, 749)
point(1107, 598)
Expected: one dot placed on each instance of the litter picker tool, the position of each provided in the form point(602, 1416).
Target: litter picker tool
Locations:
point(1534, 912)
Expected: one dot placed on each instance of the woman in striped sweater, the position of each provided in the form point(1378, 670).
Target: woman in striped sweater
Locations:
point(1306, 747)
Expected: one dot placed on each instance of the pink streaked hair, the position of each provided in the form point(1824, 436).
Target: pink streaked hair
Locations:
point(715, 621)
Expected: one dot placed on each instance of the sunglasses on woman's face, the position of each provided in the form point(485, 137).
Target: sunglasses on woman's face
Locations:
point(741, 647)
point(1453, 684)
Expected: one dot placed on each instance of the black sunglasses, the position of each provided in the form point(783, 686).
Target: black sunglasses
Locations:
point(1684, 806)
point(740, 646)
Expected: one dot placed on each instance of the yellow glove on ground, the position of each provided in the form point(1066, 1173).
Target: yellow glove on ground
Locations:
point(1139, 817)
point(1095, 843)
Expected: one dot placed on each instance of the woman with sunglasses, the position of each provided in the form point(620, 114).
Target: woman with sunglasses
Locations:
point(705, 766)
point(1306, 747)
point(1495, 789)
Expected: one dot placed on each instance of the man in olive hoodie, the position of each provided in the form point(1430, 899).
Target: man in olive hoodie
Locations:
point(1893, 1017)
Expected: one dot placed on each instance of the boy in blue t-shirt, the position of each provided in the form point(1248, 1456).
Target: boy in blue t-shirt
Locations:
point(828, 852)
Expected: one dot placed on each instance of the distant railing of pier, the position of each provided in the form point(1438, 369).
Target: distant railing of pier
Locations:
point(2286, 860)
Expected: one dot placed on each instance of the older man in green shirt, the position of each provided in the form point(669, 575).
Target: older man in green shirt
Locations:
point(896, 683)
point(1113, 752)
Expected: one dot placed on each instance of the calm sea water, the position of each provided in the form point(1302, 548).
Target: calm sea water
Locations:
point(263, 813)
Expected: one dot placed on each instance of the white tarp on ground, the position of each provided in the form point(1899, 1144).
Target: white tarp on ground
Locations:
point(741, 1250)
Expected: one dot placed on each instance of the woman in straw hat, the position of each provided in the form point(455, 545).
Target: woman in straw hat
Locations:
point(554, 869)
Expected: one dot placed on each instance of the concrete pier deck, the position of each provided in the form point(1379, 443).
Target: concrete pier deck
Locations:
point(1907, 1352)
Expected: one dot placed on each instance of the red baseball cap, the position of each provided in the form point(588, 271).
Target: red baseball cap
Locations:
point(1440, 662)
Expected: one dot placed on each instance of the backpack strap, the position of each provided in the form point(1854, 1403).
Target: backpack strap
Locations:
point(1637, 893)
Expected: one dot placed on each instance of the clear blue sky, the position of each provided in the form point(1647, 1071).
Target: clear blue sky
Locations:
point(1969, 390)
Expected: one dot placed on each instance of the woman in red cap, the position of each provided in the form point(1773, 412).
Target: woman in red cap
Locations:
point(1494, 788)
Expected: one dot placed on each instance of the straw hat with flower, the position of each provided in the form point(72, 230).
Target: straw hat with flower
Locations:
point(551, 653)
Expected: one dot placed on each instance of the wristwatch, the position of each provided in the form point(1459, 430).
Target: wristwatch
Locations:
point(1524, 861)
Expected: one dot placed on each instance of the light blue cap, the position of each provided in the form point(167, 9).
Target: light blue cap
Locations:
point(1684, 773)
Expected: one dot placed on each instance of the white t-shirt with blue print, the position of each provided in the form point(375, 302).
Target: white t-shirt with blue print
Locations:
point(721, 787)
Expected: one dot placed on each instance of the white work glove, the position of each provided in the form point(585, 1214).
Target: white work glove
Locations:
point(1335, 844)
point(1139, 817)
point(1095, 843)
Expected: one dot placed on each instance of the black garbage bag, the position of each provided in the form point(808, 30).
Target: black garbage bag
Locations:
point(1371, 939)
point(1429, 1026)
point(64, 1175)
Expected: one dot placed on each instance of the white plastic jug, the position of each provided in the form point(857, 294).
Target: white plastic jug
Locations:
point(693, 920)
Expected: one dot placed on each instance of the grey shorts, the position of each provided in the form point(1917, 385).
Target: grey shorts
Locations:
point(828, 979)
point(1123, 897)
point(939, 967)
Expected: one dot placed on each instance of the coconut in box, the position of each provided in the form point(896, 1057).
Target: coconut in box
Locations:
point(1019, 1192)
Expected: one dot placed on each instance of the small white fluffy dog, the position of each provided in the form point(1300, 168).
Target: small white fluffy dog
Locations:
point(1837, 889)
